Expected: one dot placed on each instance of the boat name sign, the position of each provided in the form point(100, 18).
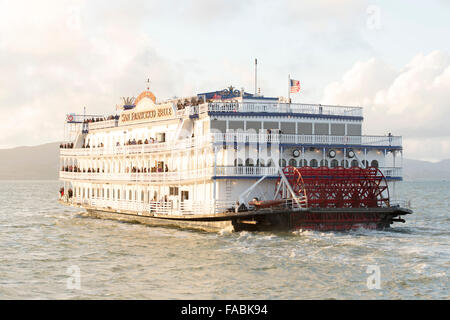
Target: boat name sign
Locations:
point(158, 112)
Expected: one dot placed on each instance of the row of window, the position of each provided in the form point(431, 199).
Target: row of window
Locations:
point(116, 194)
point(308, 128)
point(303, 163)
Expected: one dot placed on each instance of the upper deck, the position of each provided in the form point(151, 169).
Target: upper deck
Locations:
point(282, 109)
point(253, 109)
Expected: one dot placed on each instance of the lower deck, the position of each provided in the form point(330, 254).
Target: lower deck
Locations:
point(268, 219)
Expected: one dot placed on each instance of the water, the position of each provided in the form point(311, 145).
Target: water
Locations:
point(41, 242)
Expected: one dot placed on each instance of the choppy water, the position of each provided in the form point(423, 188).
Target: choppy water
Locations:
point(41, 243)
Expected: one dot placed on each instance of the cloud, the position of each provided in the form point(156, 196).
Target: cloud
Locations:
point(412, 101)
point(58, 56)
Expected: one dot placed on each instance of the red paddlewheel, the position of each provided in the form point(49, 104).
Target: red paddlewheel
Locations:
point(339, 187)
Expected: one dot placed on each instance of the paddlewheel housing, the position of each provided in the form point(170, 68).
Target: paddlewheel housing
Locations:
point(338, 187)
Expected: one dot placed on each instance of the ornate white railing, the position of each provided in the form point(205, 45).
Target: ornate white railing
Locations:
point(244, 137)
point(136, 148)
point(205, 173)
point(246, 171)
point(284, 108)
point(103, 124)
point(239, 137)
point(144, 208)
point(391, 172)
point(139, 177)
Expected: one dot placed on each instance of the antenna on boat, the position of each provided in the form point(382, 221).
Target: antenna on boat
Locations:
point(148, 84)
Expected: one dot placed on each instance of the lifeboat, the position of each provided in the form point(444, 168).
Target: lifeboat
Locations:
point(265, 203)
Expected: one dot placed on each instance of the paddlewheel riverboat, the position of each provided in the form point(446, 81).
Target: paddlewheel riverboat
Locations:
point(232, 159)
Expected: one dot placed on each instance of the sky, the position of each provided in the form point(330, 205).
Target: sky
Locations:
point(390, 57)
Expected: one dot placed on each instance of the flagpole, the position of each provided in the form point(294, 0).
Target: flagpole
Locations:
point(289, 88)
point(256, 76)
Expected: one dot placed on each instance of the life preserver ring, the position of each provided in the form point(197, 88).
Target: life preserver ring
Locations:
point(332, 153)
point(70, 117)
point(350, 153)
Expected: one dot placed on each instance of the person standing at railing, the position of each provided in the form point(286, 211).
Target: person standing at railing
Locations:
point(390, 138)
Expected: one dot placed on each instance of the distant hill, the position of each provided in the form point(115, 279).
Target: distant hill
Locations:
point(30, 163)
point(425, 170)
point(42, 163)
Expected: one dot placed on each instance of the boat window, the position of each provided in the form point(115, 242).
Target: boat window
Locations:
point(234, 125)
point(337, 129)
point(282, 163)
point(303, 163)
point(304, 128)
point(374, 164)
point(293, 162)
point(353, 129)
point(249, 162)
point(324, 163)
point(255, 125)
point(287, 127)
point(334, 163)
point(321, 128)
point(344, 163)
point(270, 125)
point(313, 163)
point(354, 163)
point(238, 162)
point(260, 163)
point(218, 125)
point(173, 191)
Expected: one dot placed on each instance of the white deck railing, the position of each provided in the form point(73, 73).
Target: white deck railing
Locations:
point(139, 177)
point(239, 137)
point(103, 124)
point(283, 108)
point(205, 173)
point(136, 148)
point(169, 207)
point(244, 137)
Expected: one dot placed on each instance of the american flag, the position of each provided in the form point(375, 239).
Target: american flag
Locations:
point(295, 86)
